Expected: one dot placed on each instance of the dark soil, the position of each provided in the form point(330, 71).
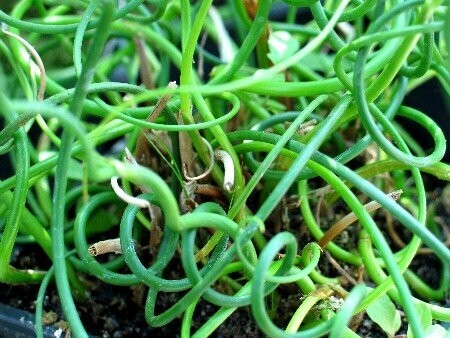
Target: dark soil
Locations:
point(112, 311)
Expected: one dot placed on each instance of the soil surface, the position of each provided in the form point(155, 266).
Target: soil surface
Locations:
point(113, 311)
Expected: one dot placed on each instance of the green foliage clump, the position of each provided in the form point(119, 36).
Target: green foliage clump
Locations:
point(301, 107)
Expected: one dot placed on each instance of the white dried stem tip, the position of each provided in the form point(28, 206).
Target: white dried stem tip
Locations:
point(374, 205)
point(141, 203)
point(129, 158)
point(172, 85)
point(162, 102)
point(211, 164)
point(38, 60)
point(307, 126)
point(347, 29)
point(228, 179)
point(104, 247)
point(395, 195)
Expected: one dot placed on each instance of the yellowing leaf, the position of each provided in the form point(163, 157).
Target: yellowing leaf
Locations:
point(384, 313)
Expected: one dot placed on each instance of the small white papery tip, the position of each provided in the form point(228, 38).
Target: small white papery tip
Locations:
point(228, 167)
point(141, 203)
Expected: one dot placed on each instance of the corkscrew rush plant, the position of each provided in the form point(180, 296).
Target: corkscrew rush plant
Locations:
point(299, 101)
